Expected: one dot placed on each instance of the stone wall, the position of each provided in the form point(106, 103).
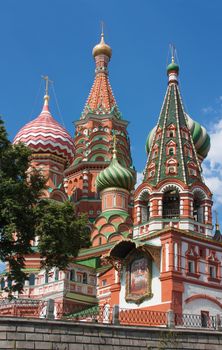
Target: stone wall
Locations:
point(58, 335)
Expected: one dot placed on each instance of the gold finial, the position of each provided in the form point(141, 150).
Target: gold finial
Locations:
point(217, 223)
point(47, 81)
point(102, 47)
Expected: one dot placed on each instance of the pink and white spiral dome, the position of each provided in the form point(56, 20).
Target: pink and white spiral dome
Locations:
point(45, 135)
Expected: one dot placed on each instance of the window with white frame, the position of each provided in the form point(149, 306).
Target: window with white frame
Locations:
point(191, 266)
point(213, 271)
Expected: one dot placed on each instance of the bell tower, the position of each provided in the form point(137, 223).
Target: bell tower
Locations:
point(173, 192)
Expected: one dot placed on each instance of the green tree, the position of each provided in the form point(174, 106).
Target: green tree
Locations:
point(62, 233)
point(23, 215)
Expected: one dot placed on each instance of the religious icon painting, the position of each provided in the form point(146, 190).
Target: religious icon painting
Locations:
point(138, 277)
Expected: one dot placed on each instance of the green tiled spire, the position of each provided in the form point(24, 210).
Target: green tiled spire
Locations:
point(172, 154)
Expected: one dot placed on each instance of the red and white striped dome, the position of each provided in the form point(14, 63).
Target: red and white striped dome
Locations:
point(45, 135)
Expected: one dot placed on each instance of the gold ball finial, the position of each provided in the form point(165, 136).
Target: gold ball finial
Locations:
point(46, 100)
point(102, 48)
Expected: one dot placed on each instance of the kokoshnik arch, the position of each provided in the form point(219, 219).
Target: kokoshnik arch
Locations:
point(153, 248)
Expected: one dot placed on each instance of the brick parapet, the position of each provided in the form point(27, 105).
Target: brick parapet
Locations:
point(65, 335)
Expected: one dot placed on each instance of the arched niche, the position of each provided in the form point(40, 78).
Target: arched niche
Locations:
point(144, 206)
point(171, 203)
point(198, 205)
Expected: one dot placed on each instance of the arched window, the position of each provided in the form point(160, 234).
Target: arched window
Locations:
point(171, 151)
point(192, 262)
point(171, 204)
point(171, 148)
point(145, 207)
point(84, 278)
point(72, 275)
point(171, 130)
point(171, 166)
point(151, 170)
point(145, 212)
point(56, 274)
point(32, 279)
point(46, 277)
point(198, 209)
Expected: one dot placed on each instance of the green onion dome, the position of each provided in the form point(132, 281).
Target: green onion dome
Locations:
point(149, 140)
point(115, 175)
point(172, 67)
point(200, 137)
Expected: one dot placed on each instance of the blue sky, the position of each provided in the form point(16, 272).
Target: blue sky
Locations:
point(56, 37)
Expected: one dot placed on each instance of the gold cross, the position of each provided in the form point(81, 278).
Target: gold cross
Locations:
point(47, 81)
point(173, 50)
point(102, 28)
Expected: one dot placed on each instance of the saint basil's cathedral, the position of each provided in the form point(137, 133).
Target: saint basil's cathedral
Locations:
point(153, 248)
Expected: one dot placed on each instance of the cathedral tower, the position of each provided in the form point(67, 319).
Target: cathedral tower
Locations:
point(99, 121)
point(173, 192)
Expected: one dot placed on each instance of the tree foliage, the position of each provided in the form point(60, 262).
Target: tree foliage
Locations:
point(61, 233)
point(24, 215)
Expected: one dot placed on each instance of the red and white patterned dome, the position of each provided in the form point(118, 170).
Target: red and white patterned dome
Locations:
point(45, 135)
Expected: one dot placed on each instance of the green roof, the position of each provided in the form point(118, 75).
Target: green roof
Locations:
point(91, 262)
point(160, 158)
point(91, 311)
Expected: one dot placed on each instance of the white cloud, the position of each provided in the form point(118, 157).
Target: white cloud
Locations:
point(215, 154)
point(208, 109)
point(212, 167)
point(139, 177)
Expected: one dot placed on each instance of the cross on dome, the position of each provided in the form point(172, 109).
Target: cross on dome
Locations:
point(47, 82)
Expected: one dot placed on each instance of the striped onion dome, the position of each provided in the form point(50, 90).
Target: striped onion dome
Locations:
point(115, 175)
point(45, 135)
point(199, 135)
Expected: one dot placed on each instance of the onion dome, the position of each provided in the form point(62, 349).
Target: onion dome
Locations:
point(173, 71)
point(45, 135)
point(115, 175)
point(149, 140)
point(102, 48)
point(200, 137)
point(173, 67)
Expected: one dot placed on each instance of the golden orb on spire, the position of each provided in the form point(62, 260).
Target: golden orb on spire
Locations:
point(102, 48)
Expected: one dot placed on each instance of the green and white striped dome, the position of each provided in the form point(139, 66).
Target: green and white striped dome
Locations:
point(115, 175)
point(200, 137)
